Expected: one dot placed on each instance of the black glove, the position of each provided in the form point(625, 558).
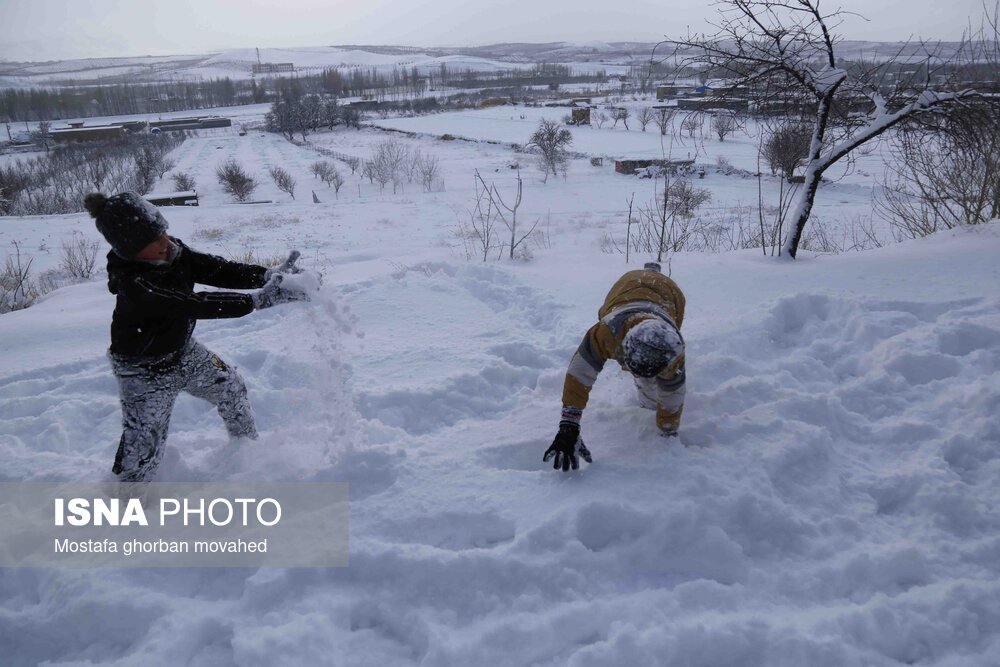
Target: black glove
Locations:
point(273, 293)
point(566, 447)
point(288, 266)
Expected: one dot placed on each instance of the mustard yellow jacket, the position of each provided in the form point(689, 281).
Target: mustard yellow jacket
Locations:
point(636, 296)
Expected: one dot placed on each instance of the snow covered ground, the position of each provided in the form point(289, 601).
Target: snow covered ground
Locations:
point(833, 500)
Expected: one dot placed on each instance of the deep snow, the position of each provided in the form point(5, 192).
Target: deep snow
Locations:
point(833, 500)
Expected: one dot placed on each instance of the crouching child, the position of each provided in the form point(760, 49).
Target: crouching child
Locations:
point(639, 327)
point(153, 354)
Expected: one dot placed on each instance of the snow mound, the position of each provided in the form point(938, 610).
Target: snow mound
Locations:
point(307, 282)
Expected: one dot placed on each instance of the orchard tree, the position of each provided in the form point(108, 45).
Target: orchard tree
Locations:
point(786, 147)
point(621, 114)
point(723, 124)
point(551, 141)
point(664, 119)
point(645, 116)
point(283, 180)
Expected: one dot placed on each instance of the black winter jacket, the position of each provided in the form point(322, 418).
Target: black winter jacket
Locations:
point(157, 305)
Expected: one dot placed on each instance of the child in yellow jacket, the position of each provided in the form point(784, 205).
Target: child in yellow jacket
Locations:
point(639, 327)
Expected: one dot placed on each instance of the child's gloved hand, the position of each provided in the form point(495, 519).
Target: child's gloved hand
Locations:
point(567, 448)
point(274, 293)
point(288, 266)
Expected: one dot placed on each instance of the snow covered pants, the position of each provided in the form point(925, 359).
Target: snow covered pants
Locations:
point(148, 389)
point(666, 396)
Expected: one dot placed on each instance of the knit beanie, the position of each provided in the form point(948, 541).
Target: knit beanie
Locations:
point(127, 221)
point(650, 346)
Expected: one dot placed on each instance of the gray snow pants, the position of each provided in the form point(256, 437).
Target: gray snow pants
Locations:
point(148, 389)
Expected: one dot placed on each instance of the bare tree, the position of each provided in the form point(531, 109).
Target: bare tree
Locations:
point(723, 124)
point(96, 169)
point(621, 114)
point(786, 147)
point(484, 218)
point(43, 136)
point(786, 49)
point(368, 171)
point(677, 205)
point(162, 165)
point(691, 123)
point(551, 140)
point(17, 289)
point(429, 172)
point(283, 180)
point(665, 119)
point(147, 165)
point(318, 168)
point(645, 116)
point(79, 256)
point(667, 223)
point(412, 165)
point(333, 178)
point(509, 219)
point(234, 180)
point(388, 162)
point(599, 119)
point(943, 176)
point(183, 181)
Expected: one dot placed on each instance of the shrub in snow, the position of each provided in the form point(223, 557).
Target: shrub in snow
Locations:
point(283, 180)
point(944, 173)
point(79, 256)
point(183, 181)
point(551, 141)
point(786, 148)
point(17, 288)
point(235, 181)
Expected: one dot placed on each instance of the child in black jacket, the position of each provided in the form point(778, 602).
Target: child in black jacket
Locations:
point(153, 354)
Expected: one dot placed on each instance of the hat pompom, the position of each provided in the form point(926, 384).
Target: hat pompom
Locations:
point(94, 203)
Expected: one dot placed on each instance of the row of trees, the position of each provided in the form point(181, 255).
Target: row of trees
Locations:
point(394, 162)
point(124, 96)
point(57, 182)
point(391, 162)
point(300, 115)
point(37, 104)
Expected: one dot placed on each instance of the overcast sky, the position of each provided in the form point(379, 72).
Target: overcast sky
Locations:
point(59, 29)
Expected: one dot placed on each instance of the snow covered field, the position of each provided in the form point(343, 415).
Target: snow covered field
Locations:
point(833, 500)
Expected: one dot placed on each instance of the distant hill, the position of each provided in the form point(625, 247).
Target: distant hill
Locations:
point(238, 63)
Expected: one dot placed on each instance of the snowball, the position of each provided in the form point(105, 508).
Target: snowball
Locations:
point(306, 281)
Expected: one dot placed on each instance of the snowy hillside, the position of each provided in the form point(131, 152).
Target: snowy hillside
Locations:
point(613, 58)
point(833, 499)
point(234, 63)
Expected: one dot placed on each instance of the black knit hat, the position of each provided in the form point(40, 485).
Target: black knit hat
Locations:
point(650, 346)
point(127, 221)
